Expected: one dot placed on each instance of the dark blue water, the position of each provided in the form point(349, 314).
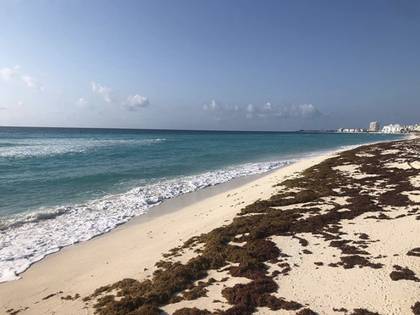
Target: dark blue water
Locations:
point(83, 182)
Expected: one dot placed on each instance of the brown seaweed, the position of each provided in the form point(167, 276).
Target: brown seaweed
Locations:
point(261, 220)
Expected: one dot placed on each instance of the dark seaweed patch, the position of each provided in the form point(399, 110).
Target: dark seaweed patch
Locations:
point(12, 311)
point(362, 311)
point(403, 273)
point(355, 260)
point(306, 311)
point(414, 252)
point(71, 298)
point(51, 295)
point(191, 311)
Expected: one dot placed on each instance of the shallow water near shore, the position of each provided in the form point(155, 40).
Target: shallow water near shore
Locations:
point(62, 186)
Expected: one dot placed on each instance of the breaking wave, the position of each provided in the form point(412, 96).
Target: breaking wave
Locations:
point(27, 238)
point(27, 148)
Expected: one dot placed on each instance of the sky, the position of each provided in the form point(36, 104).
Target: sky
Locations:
point(197, 64)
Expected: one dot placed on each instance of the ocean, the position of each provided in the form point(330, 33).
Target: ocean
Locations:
point(60, 186)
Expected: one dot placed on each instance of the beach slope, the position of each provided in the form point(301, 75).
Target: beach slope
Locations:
point(336, 234)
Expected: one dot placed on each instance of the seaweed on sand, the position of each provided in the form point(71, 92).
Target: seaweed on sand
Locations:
point(256, 224)
point(362, 311)
point(414, 252)
point(403, 273)
point(306, 311)
point(191, 311)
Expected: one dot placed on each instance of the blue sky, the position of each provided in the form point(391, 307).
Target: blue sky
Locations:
point(249, 65)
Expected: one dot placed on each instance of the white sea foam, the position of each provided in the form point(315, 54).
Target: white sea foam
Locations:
point(25, 239)
point(55, 146)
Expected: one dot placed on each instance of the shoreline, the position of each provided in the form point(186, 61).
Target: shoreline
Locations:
point(55, 264)
point(110, 257)
point(245, 172)
point(185, 199)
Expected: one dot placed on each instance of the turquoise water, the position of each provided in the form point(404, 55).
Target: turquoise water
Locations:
point(61, 186)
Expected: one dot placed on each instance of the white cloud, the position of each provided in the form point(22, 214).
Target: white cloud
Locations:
point(266, 110)
point(101, 90)
point(212, 106)
point(249, 111)
point(31, 82)
point(267, 107)
point(82, 102)
point(307, 109)
point(134, 102)
point(9, 74)
point(131, 102)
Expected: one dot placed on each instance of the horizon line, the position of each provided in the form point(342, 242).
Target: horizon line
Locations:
point(172, 129)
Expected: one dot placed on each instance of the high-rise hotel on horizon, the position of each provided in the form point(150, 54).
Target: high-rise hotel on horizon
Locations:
point(374, 126)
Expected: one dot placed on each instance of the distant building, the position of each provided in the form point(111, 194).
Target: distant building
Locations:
point(351, 130)
point(392, 128)
point(373, 126)
point(410, 128)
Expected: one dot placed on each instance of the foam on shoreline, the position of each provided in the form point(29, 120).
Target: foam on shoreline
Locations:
point(27, 238)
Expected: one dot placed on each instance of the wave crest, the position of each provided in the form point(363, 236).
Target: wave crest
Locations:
point(50, 147)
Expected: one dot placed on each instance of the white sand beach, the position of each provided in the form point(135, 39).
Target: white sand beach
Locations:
point(131, 250)
point(57, 284)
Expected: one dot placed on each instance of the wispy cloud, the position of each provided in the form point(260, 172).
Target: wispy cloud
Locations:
point(15, 73)
point(212, 106)
point(82, 102)
point(265, 110)
point(102, 91)
point(31, 82)
point(131, 102)
point(8, 74)
point(12, 106)
point(135, 102)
